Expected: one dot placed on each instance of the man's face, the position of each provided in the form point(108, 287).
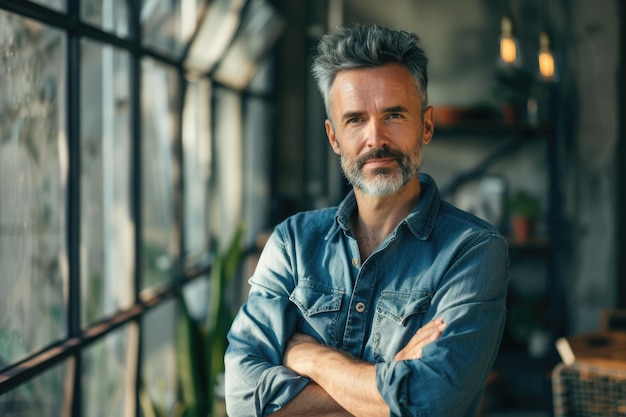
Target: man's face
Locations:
point(378, 128)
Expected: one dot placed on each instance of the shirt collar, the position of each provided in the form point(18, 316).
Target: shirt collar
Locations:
point(420, 221)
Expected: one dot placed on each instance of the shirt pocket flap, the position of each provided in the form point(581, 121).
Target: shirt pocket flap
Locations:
point(312, 298)
point(400, 306)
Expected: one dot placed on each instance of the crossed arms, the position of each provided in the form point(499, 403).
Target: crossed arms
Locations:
point(343, 386)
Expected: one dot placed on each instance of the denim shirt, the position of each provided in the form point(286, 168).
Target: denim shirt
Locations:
point(438, 262)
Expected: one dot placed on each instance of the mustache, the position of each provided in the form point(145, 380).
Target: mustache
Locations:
point(380, 153)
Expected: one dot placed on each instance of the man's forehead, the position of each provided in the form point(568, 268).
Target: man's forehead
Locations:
point(383, 88)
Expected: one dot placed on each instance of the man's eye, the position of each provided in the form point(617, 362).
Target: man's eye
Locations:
point(395, 116)
point(354, 120)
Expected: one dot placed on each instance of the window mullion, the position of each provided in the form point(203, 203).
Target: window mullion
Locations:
point(74, 209)
point(135, 105)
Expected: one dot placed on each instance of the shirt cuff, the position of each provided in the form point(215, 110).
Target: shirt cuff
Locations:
point(277, 386)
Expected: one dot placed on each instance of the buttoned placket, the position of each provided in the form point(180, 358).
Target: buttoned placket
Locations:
point(360, 309)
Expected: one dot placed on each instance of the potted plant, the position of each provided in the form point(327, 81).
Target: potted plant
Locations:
point(523, 210)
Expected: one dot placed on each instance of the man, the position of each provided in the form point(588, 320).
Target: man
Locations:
point(392, 303)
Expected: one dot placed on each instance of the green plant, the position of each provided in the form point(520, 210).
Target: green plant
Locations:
point(524, 204)
point(201, 345)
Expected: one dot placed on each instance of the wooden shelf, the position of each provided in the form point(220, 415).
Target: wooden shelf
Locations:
point(538, 243)
point(490, 128)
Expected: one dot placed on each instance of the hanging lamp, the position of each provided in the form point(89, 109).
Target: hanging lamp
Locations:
point(509, 45)
point(547, 63)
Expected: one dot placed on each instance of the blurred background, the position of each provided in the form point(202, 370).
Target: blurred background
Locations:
point(148, 147)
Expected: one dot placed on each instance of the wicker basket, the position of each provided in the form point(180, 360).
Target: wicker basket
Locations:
point(587, 390)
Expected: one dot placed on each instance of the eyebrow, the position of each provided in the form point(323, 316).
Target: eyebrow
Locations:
point(393, 109)
point(351, 114)
point(396, 109)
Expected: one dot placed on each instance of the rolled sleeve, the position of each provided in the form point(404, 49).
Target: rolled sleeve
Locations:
point(256, 383)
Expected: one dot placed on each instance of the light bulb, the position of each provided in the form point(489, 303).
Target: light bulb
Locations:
point(508, 43)
point(547, 67)
point(508, 49)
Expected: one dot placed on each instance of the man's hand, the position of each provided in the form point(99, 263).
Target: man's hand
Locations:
point(423, 337)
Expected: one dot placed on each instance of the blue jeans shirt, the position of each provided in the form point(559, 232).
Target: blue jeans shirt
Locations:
point(438, 262)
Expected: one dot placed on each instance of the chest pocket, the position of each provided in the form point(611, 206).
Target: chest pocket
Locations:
point(398, 317)
point(319, 307)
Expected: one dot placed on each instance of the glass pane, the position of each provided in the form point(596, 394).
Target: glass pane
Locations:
point(46, 395)
point(215, 34)
point(158, 355)
point(227, 189)
point(260, 29)
point(108, 370)
point(259, 115)
point(109, 15)
point(33, 177)
point(168, 25)
point(197, 166)
point(60, 5)
point(107, 228)
point(160, 234)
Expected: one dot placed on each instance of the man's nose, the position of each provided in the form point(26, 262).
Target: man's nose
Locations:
point(376, 135)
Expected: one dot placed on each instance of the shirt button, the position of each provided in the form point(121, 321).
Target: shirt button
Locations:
point(360, 307)
point(355, 262)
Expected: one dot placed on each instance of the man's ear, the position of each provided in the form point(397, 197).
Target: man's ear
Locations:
point(428, 125)
point(330, 132)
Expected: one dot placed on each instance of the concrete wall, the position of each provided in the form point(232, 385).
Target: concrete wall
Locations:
point(592, 182)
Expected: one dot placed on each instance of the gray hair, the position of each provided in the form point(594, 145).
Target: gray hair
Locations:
point(369, 46)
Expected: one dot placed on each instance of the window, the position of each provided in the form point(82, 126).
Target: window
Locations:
point(33, 185)
point(122, 158)
point(107, 227)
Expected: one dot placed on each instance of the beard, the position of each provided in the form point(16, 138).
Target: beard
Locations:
point(382, 182)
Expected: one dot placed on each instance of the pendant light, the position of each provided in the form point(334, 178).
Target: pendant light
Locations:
point(545, 57)
point(547, 65)
point(509, 45)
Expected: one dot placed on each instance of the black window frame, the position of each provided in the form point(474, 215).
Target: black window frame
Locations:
point(79, 337)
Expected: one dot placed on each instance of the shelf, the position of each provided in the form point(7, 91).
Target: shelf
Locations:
point(519, 381)
point(539, 243)
point(484, 128)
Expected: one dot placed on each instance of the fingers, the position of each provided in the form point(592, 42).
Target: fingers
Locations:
point(430, 326)
point(424, 336)
point(429, 333)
